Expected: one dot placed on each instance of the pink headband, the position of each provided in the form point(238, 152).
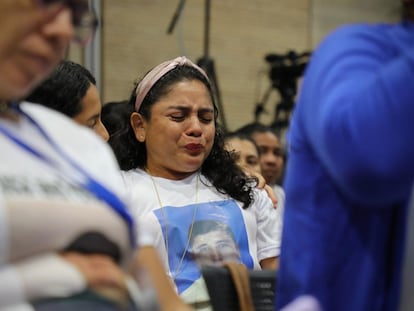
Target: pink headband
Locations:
point(157, 73)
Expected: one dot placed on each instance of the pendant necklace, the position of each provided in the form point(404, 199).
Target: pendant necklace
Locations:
point(164, 215)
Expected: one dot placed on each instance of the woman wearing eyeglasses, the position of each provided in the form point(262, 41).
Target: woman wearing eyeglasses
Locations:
point(60, 188)
point(37, 194)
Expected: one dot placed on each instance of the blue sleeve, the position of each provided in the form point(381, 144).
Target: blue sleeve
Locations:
point(358, 111)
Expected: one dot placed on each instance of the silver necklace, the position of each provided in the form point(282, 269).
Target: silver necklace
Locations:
point(164, 215)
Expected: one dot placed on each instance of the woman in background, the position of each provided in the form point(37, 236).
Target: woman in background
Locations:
point(245, 149)
point(71, 89)
point(178, 172)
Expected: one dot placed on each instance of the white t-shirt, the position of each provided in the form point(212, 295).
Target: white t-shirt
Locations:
point(26, 180)
point(186, 214)
point(280, 195)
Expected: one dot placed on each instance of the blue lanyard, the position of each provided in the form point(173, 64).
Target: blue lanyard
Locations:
point(88, 182)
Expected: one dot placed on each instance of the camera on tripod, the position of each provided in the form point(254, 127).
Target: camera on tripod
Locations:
point(285, 70)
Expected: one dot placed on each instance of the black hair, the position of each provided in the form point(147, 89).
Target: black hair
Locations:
point(64, 89)
point(241, 136)
point(115, 117)
point(255, 127)
point(114, 114)
point(250, 129)
point(219, 167)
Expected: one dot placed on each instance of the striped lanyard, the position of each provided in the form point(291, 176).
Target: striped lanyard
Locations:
point(87, 181)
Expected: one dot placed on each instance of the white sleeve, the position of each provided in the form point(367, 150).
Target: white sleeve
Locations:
point(269, 226)
point(46, 222)
point(144, 236)
point(19, 307)
point(43, 276)
point(13, 293)
point(4, 231)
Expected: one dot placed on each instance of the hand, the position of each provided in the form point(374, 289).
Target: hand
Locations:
point(102, 275)
point(261, 184)
point(148, 269)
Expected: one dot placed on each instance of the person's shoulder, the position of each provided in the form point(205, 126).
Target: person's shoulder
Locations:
point(343, 34)
point(261, 199)
point(351, 40)
point(64, 130)
point(358, 27)
point(40, 111)
point(78, 142)
point(134, 176)
point(137, 183)
point(279, 191)
point(57, 123)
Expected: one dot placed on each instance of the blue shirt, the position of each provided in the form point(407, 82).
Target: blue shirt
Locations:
point(350, 171)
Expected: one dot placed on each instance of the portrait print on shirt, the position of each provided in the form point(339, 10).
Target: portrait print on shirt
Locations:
point(211, 232)
point(212, 243)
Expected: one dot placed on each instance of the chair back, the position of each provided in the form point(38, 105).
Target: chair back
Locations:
point(224, 295)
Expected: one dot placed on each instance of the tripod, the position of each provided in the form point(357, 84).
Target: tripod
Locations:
point(284, 73)
point(282, 114)
point(205, 61)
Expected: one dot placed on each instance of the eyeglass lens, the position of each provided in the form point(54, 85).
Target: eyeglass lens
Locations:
point(83, 17)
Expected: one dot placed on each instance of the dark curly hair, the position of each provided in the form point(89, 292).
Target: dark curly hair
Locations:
point(219, 167)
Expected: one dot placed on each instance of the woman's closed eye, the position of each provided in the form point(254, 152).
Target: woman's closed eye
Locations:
point(178, 117)
point(206, 117)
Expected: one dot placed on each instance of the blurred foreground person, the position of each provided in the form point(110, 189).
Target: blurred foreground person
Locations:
point(63, 217)
point(350, 171)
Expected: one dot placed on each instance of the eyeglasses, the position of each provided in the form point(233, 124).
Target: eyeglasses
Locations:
point(83, 18)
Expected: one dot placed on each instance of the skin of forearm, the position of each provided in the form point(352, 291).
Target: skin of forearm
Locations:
point(148, 262)
point(44, 226)
point(271, 263)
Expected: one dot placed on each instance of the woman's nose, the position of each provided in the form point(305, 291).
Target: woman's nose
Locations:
point(102, 131)
point(194, 127)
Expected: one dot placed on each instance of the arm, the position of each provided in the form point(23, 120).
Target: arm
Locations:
point(147, 262)
point(53, 276)
point(38, 277)
point(269, 231)
point(356, 109)
point(102, 275)
point(46, 221)
point(271, 263)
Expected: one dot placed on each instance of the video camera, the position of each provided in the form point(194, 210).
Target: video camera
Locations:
point(285, 70)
